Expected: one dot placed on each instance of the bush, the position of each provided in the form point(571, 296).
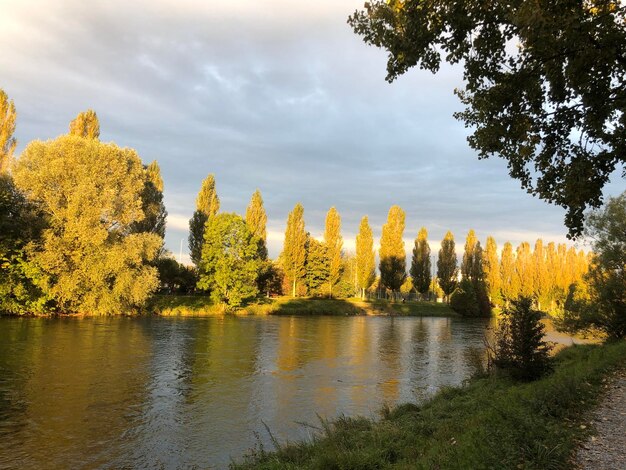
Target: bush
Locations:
point(519, 346)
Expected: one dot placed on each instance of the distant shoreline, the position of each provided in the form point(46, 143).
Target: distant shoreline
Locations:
point(199, 306)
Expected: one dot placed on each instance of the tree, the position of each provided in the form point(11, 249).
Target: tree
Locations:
point(469, 256)
point(510, 285)
point(491, 269)
point(230, 261)
point(365, 257)
point(207, 205)
point(520, 348)
point(293, 256)
point(447, 270)
point(541, 276)
point(464, 300)
point(256, 219)
point(524, 270)
point(606, 308)
point(21, 224)
point(334, 244)
point(392, 264)
point(552, 107)
point(152, 203)
point(317, 265)
point(90, 259)
point(471, 298)
point(7, 128)
point(420, 263)
point(86, 125)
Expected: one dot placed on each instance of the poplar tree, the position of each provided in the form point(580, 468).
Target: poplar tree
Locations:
point(86, 124)
point(524, 270)
point(152, 202)
point(420, 263)
point(294, 248)
point(541, 283)
point(7, 128)
point(446, 265)
point(491, 270)
point(334, 244)
point(365, 257)
point(392, 264)
point(467, 266)
point(207, 205)
point(510, 288)
point(256, 219)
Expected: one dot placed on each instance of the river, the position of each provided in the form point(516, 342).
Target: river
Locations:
point(156, 392)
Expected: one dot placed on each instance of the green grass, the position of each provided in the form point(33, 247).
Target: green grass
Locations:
point(490, 423)
point(412, 308)
point(180, 305)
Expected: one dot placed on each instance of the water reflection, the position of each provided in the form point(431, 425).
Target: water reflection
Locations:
point(171, 393)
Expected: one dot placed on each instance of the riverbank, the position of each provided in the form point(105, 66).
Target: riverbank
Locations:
point(489, 423)
point(175, 305)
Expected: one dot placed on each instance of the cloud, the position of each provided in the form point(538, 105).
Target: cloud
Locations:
point(276, 95)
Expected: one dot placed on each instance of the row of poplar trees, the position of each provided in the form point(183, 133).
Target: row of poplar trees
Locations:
point(307, 266)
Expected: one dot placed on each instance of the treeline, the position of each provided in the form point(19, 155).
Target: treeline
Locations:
point(227, 248)
point(82, 226)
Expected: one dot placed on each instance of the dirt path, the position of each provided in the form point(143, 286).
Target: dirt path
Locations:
point(607, 448)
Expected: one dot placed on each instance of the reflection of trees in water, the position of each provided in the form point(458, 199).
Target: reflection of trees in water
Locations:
point(84, 383)
point(360, 360)
point(389, 349)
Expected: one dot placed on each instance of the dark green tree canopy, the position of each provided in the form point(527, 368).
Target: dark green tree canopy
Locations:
point(544, 83)
point(230, 261)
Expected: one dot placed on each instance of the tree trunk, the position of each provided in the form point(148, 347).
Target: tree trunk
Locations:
point(293, 292)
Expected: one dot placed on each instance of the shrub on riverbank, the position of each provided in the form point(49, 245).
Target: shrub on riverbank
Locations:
point(489, 423)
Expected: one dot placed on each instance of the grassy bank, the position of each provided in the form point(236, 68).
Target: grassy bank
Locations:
point(173, 305)
point(489, 423)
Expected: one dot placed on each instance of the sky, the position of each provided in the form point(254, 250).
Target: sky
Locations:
point(278, 95)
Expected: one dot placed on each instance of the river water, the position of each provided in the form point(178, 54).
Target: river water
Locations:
point(197, 392)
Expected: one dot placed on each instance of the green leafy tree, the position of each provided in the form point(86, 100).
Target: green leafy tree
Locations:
point(420, 263)
point(86, 124)
point(230, 261)
point(317, 266)
point(89, 257)
point(7, 129)
point(552, 107)
point(21, 224)
point(471, 298)
point(293, 257)
point(152, 202)
point(605, 309)
point(392, 264)
point(365, 257)
point(447, 270)
point(334, 245)
point(256, 218)
point(491, 269)
point(207, 205)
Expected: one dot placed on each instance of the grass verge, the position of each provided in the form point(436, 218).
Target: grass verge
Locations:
point(490, 423)
point(178, 305)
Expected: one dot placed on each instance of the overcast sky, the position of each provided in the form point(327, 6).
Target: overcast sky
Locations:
point(277, 95)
